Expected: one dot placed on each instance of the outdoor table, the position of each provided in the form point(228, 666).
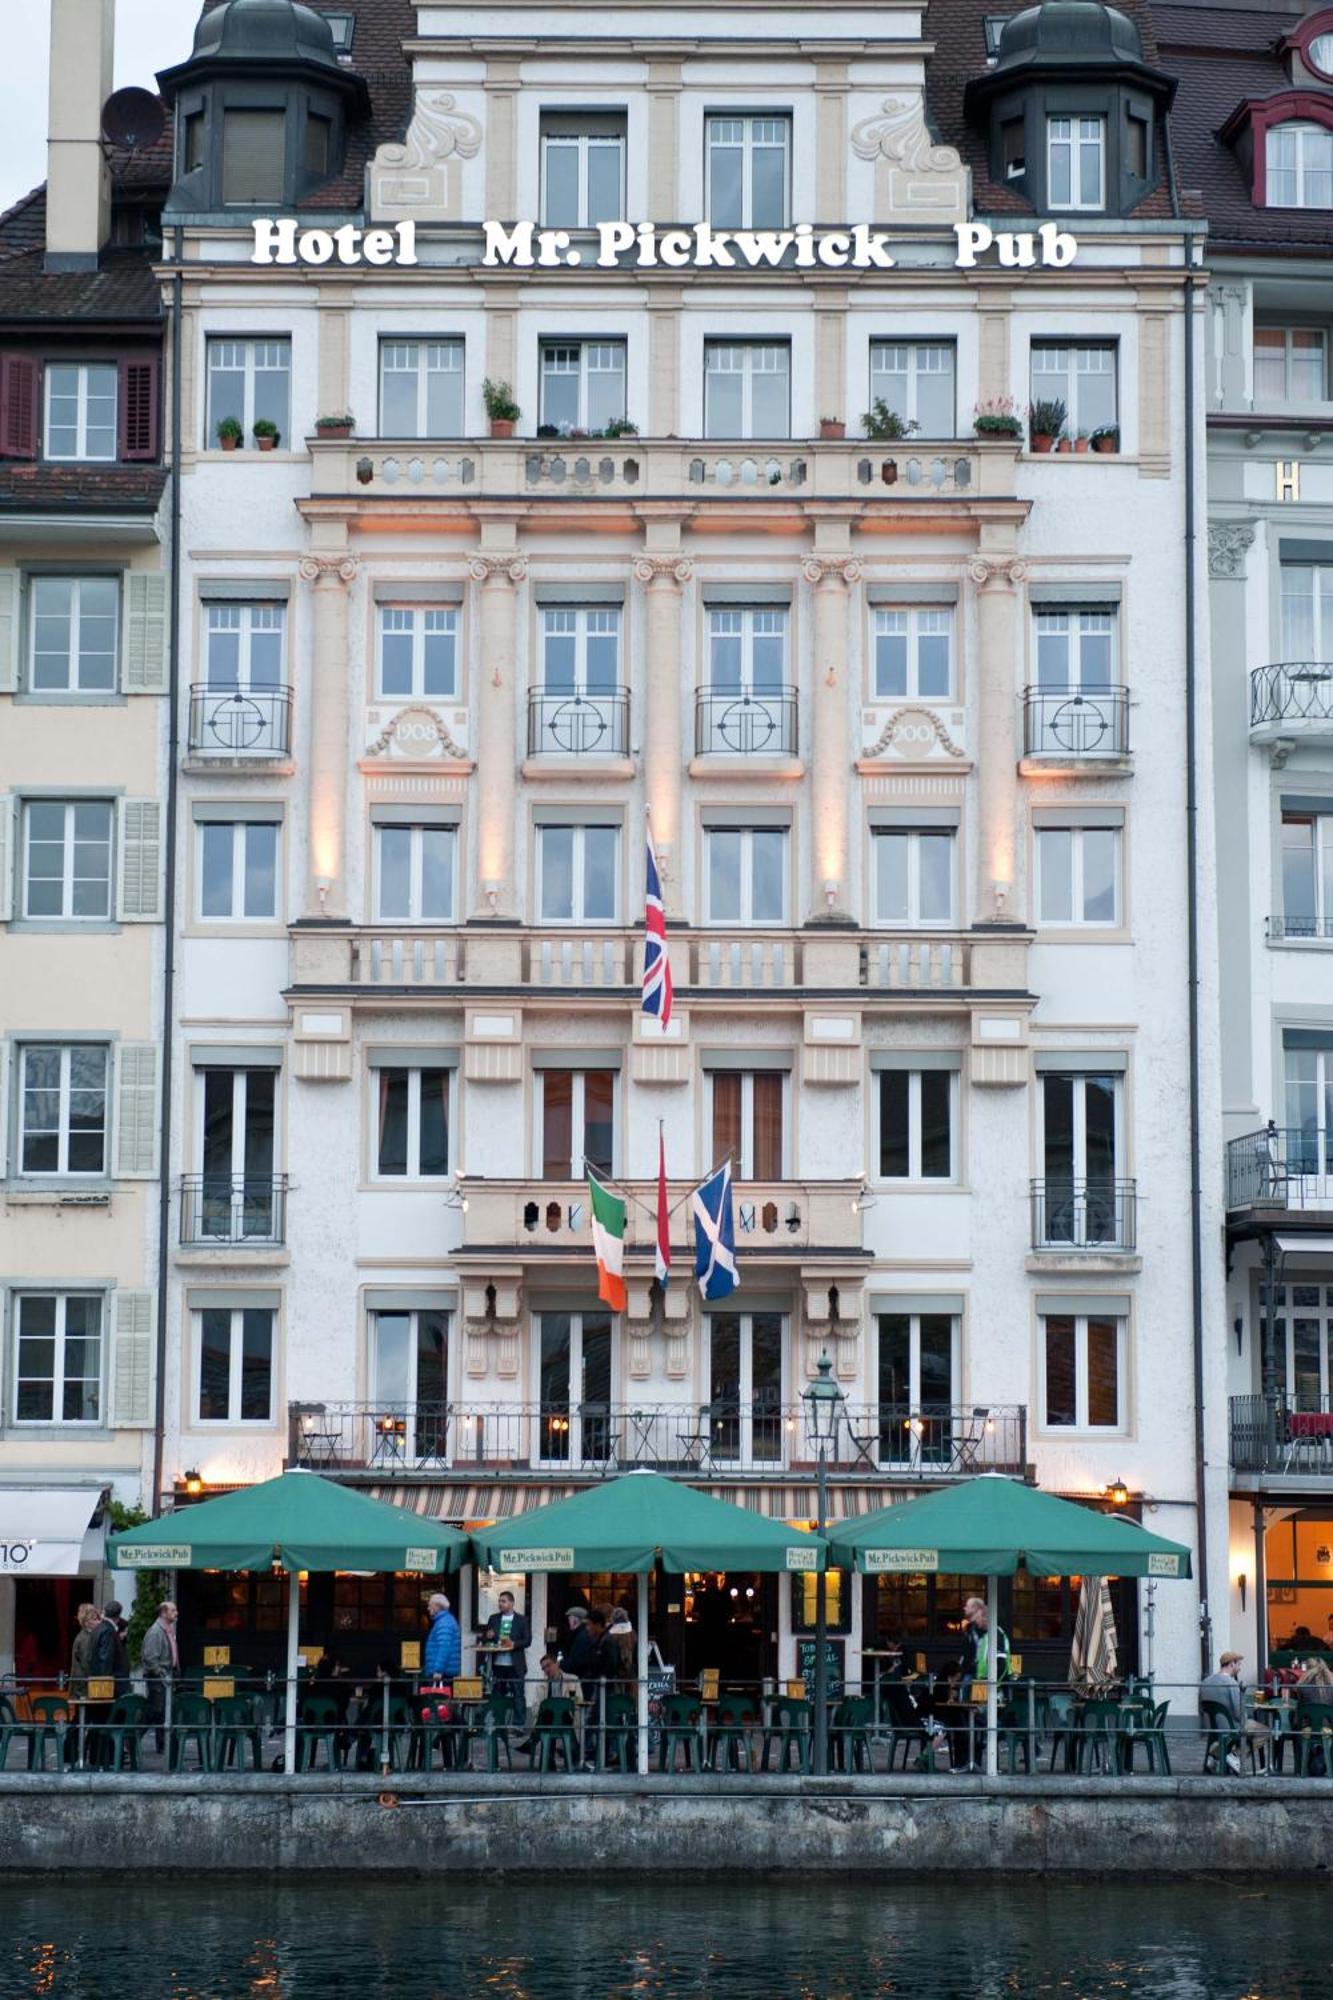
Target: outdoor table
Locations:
point(1279, 1713)
point(640, 1436)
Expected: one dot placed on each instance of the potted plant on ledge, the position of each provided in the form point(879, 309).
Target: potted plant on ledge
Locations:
point(1045, 423)
point(230, 433)
point(335, 427)
point(501, 408)
point(266, 434)
point(881, 423)
point(997, 418)
point(621, 427)
point(831, 429)
point(1106, 439)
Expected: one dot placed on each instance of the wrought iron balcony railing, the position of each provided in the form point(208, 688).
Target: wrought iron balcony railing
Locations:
point(578, 725)
point(1292, 695)
point(1080, 1214)
point(1282, 1166)
point(240, 1209)
point(1075, 722)
point(240, 722)
point(1282, 1434)
point(1299, 930)
point(731, 723)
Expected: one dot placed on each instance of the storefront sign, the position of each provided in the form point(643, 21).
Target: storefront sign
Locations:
point(421, 1559)
point(16, 1558)
point(910, 1560)
point(156, 1555)
point(1164, 1565)
point(521, 1559)
point(803, 1558)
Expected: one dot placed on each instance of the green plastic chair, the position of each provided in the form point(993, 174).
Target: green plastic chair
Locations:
point(730, 1738)
point(682, 1715)
point(789, 1731)
point(554, 1734)
point(621, 1728)
point(236, 1732)
point(1061, 1718)
point(191, 1722)
point(121, 1733)
point(850, 1733)
point(1099, 1738)
point(492, 1722)
point(52, 1720)
point(319, 1724)
point(1314, 1729)
point(1222, 1737)
point(1150, 1736)
point(1019, 1727)
point(11, 1730)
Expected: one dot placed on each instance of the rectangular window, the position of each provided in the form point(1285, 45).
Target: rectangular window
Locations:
point(575, 1361)
point(1307, 613)
point(582, 385)
point(748, 171)
point(72, 626)
point(915, 381)
point(1082, 1367)
point(747, 389)
point(576, 874)
point(235, 1346)
point(81, 410)
point(342, 26)
point(57, 1358)
point(915, 1388)
point(914, 875)
point(241, 710)
point(744, 1411)
point(1078, 875)
point(577, 1122)
point(1075, 650)
point(67, 859)
point(315, 150)
point(1307, 874)
point(237, 871)
point(409, 1366)
point(1308, 1076)
point(414, 874)
point(248, 380)
point(253, 152)
point(913, 655)
point(746, 870)
point(747, 708)
point(1082, 378)
point(1290, 364)
point(1081, 1149)
point(418, 653)
point(1076, 163)
point(583, 169)
point(412, 1123)
point(421, 388)
point(235, 1197)
point(192, 150)
point(917, 1113)
point(580, 708)
point(1299, 160)
point(63, 1109)
point(748, 1122)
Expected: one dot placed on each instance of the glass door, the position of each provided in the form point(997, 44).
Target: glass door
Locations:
point(1310, 1126)
point(744, 1411)
point(409, 1423)
point(1080, 1116)
point(574, 1385)
point(237, 1136)
point(917, 1370)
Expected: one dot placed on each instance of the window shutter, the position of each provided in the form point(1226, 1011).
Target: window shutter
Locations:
point(140, 898)
point(145, 647)
point(8, 851)
point(9, 630)
point(136, 1112)
point(132, 1357)
point(18, 406)
point(138, 409)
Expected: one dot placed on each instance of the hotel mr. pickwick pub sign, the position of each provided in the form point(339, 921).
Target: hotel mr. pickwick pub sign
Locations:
point(645, 246)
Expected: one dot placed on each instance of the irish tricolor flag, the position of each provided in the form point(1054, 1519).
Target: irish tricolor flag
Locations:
point(608, 1240)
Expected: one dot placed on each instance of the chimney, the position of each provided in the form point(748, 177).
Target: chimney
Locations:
point(78, 186)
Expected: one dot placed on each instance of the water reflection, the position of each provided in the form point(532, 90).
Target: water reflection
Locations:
point(657, 1939)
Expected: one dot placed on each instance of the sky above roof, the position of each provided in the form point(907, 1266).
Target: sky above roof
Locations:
point(150, 34)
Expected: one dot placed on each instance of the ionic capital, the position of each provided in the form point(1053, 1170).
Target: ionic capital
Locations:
point(673, 570)
point(1003, 572)
point(328, 569)
point(498, 569)
point(825, 570)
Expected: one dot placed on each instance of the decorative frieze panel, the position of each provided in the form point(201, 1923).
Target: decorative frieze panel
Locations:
point(916, 180)
point(423, 178)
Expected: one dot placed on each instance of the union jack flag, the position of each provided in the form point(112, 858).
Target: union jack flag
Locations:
point(656, 965)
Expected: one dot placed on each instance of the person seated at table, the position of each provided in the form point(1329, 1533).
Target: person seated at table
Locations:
point(557, 1682)
point(1224, 1690)
point(1314, 1708)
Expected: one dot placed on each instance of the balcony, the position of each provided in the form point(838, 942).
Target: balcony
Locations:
point(1292, 699)
point(1300, 930)
point(731, 723)
point(240, 724)
point(578, 725)
point(387, 1440)
point(1278, 1436)
point(244, 1211)
point(1083, 1215)
point(779, 1219)
point(1071, 728)
point(1283, 1167)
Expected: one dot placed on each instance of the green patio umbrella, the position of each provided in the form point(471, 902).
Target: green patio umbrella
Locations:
point(992, 1526)
point(631, 1523)
point(300, 1522)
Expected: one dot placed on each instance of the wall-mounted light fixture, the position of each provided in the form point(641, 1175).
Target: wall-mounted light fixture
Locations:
point(323, 883)
point(1239, 1324)
point(1118, 1493)
point(1242, 1582)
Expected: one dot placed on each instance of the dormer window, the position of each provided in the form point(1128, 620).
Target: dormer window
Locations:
point(1319, 55)
point(1076, 162)
point(253, 144)
point(1299, 160)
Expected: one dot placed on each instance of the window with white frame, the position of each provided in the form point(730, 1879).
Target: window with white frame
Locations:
point(914, 379)
point(582, 385)
point(746, 874)
point(421, 388)
point(249, 380)
point(409, 1372)
point(67, 859)
point(1307, 874)
point(1308, 1091)
point(244, 646)
point(1076, 163)
point(80, 410)
point(1290, 364)
point(748, 1107)
point(576, 873)
point(1299, 165)
point(418, 652)
point(914, 874)
point(1082, 1203)
point(1083, 378)
point(918, 1112)
point(73, 622)
point(583, 168)
point(411, 1111)
point(235, 1195)
point(1303, 1341)
point(575, 1122)
point(1307, 613)
point(747, 389)
point(1076, 648)
point(580, 649)
point(916, 1383)
point(913, 653)
point(58, 1357)
point(1078, 875)
point(747, 709)
point(235, 1362)
point(744, 1372)
point(236, 870)
point(414, 873)
point(749, 171)
point(62, 1113)
point(576, 1367)
point(1082, 1371)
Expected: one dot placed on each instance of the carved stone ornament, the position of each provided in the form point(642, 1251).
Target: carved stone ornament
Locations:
point(1004, 571)
point(1228, 543)
point(831, 569)
point(914, 733)
point(328, 569)
point(422, 177)
point(663, 569)
point(639, 1333)
point(498, 569)
point(418, 735)
point(916, 179)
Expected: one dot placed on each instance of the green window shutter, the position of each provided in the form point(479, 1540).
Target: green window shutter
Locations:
point(9, 630)
point(136, 1112)
point(132, 1353)
point(145, 650)
point(8, 851)
point(140, 897)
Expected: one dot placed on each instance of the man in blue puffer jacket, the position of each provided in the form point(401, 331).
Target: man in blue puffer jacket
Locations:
point(444, 1641)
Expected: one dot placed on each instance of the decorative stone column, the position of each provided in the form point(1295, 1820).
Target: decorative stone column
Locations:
point(664, 578)
point(999, 898)
point(326, 873)
point(496, 761)
point(830, 750)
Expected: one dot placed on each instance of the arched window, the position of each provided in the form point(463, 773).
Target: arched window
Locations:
point(1299, 160)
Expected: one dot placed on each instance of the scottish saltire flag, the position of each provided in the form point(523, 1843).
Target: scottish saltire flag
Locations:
point(663, 1217)
point(656, 964)
point(715, 1235)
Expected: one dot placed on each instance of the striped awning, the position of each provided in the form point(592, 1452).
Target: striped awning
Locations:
point(504, 1499)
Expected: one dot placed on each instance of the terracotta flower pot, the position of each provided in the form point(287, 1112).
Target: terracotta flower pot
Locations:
point(1080, 444)
point(1064, 445)
point(1105, 445)
point(229, 443)
point(502, 427)
point(265, 444)
point(333, 430)
point(1041, 441)
point(832, 428)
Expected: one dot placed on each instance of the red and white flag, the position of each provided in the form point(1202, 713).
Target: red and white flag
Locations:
point(663, 1218)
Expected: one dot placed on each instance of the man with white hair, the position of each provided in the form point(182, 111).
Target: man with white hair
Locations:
point(444, 1642)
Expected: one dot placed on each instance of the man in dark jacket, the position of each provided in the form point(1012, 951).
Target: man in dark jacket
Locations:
point(108, 1655)
point(508, 1632)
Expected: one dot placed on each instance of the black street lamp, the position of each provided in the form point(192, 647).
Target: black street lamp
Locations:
point(823, 1413)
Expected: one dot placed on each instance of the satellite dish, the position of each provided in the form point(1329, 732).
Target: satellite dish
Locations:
point(133, 118)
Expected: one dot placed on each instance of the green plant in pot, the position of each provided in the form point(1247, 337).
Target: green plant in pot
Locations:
point(882, 423)
point(501, 408)
point(1107, 438)
point(230, 432)
point(1046, 420)
point(335, 427)
point(832, 428)
point(997, 418)
point(621, 427)
point(266, 433)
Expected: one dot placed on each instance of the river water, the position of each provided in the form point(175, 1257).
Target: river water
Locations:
point(1206, 1939)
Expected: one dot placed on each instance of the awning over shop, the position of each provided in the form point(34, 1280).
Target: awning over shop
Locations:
point(47, 1530)
point(502, 1500)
